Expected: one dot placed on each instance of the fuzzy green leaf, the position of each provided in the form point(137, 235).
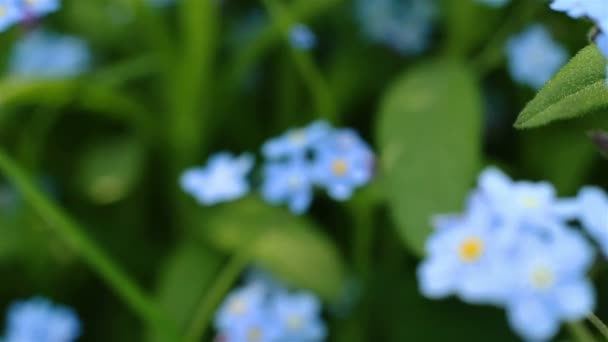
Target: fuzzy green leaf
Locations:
point(578, 89)
point(429, 135)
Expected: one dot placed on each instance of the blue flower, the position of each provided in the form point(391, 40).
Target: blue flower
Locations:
point(241, 304)
point(296, 142)
point(10, 14)
point(39, 320)
point(592, 204)
point(222, 180)
point(343, 163)
point(289, 182)
point(299, 315)
point(406, 26)
point(465, 258)
point(39, 8)
point(264, 310)
point(534, 57)
point(495, 3)
point(301, 37)
point(518, 201)
point(48, 55)
point(574, 8)
point(549, 284)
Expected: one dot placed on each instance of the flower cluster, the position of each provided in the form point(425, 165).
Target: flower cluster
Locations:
point(514, 247)
point(43, 54)
point(595, 10)
point(405, 26)
point(265, 311)
point(14, 11)
point(534, 57)
point(39, 320)
point(337, 160)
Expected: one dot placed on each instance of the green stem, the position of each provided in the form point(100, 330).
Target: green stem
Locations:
point(580, 333)
point(598, 324)
point(309, 72)
point(208, 304)
point(74, 237)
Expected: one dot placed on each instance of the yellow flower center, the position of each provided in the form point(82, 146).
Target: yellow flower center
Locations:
point(339, 167)
point(254, 334)
point(530, 202)
point(294, 322)
point(3, 10)
point(471, 249)
point(542, 278)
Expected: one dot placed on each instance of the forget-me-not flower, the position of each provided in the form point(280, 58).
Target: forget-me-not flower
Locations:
point(406, 26)
point(513, 247)
point(549, 284)
point(534, 57)
point(343, 163)
point(38, 8)
point(592, 206)
point(43, 54)
point(299, 314)
point(264, 310)
point(10, 14)
point(301, 37)
point(39, 320)
point(223, 179)
point(289, 182)
point(296, 142)
point(464, 258)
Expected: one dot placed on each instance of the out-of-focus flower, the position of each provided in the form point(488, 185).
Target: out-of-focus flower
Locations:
point(240, 304)
point(43, 54)
point(549, 284)
point(299, 314)
point(534, 57)
point(344, 162)
point(10, 14)
point(296, 142)
point(264, 310)
point(222, 180)
point(406, 26)
point(592, 205)
point(465, 259)
point(513, 248)
point(574, 8)
point(38, 8)
point(289, 182)
point(495, 3)
point(39, 320)
point(301, 37)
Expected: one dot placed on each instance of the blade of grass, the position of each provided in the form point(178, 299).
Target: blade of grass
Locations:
point(73, 235)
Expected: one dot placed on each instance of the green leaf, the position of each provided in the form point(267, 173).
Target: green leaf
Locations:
point(562, 153)
point(184, 279)
point(88, 95)
point(429, 136)
point(108, 171)
point(290, 247)
point(578, 89)
point(462, 36)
